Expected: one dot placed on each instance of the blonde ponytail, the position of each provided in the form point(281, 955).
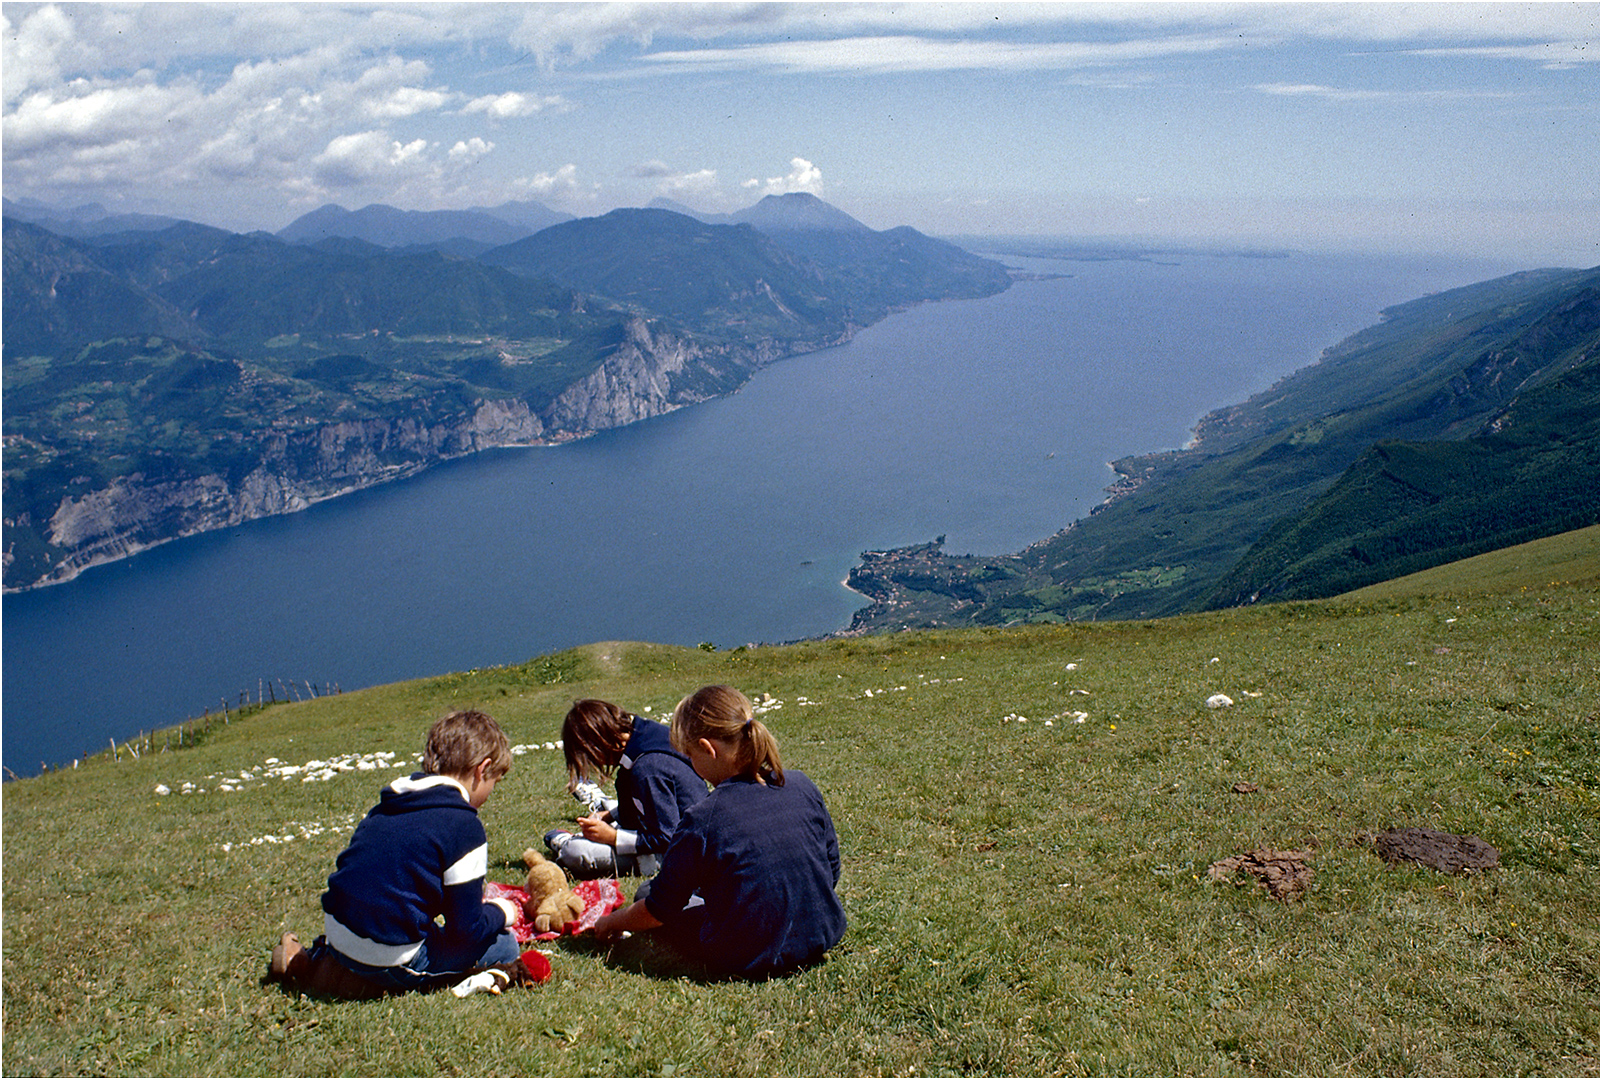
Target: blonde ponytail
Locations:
point(723, 714)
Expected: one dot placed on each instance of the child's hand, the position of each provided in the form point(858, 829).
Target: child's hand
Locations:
point(625, 920)
point(508, 909)
point(596, 828)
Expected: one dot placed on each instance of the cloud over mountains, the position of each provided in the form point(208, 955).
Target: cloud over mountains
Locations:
point(246, 115)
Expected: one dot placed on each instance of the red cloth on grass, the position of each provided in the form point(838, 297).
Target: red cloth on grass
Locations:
point(600, 897)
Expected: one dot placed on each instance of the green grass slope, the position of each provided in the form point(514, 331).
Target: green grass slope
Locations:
point(1027, 818)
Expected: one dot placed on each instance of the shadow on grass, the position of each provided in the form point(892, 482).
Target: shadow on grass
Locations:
point(648, 954)
point(654, 955)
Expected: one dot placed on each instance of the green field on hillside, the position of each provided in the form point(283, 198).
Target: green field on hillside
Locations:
point(1027, 821)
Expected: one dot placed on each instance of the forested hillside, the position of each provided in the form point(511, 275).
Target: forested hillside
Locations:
point(1461, 422)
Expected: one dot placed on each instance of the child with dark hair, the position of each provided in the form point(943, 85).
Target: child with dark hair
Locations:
point(747, 886)
point(405, 907)
point(655, 786)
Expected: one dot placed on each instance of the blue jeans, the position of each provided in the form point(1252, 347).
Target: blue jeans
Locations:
point(442, 966)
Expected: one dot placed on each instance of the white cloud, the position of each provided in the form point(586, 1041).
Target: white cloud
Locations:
point(937, 37)
point(675, 182)
point(1315, 90)
point(1335, 93)
point(228, 104)
point(100, 116)
point(356, 159)
point(513, 104)
point(702, 183)
point(406, 101)
point(1393, 22)
point(470, 149)
point(554, 33)
point(278, 123)
point(700, 180)
point(386, 91)
point(35, 50)
point(55, 41)
point(563, 181)
point(1552, 55)
point(803, 176)
point(918, 54)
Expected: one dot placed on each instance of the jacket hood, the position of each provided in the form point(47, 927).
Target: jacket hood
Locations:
point(421, 791)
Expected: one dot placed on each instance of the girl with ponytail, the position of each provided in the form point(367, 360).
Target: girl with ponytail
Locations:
point(747, 886)
point(723, 717)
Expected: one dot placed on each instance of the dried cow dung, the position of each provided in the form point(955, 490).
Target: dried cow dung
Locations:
point(1284, 874)
point(1446, 852)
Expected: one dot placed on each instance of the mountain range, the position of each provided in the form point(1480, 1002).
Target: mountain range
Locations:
point(163, 378)
point(387, 227)
point(173, 378)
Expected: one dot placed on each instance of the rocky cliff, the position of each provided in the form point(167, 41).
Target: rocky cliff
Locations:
point(652, 371)
point(164, 383)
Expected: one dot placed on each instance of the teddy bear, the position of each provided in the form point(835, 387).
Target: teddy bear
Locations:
point(551, 905)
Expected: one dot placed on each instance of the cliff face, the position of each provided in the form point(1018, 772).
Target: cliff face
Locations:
point(650, 373)
point(637, 381)
point(165, 383)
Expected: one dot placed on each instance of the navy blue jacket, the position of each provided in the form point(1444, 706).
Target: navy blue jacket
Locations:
point(419, 854)
point(655, 786)
point(748, 882)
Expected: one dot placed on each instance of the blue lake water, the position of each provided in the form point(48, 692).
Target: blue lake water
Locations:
point(735, 521)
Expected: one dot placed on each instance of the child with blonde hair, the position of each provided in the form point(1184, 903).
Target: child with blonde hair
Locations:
point(405, 907)
point(747, 886)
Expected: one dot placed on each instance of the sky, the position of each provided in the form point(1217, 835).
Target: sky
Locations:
point(1453, 128)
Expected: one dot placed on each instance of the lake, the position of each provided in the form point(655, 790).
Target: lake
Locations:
point(990, 422)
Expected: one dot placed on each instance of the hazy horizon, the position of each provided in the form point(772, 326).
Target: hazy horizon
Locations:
point(1465, 129)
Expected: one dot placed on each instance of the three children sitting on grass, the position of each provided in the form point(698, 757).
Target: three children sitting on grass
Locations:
point(744, 877)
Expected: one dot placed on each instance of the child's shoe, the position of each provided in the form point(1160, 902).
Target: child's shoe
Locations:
point(556, 840)
point(591, 796)
point(288, 950)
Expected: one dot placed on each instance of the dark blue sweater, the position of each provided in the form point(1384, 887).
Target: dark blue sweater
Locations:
point(655, 786)
point(420, 853)
point(748, 882)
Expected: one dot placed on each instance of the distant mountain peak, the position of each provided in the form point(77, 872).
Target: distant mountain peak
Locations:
point(662, 202)
point(390, 227)
point(798, 211)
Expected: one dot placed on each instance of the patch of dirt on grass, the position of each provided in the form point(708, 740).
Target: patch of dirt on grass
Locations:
point(1285, 874)
point(1446, 852)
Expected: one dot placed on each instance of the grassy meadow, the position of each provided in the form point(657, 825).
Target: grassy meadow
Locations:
point(1027, 818)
